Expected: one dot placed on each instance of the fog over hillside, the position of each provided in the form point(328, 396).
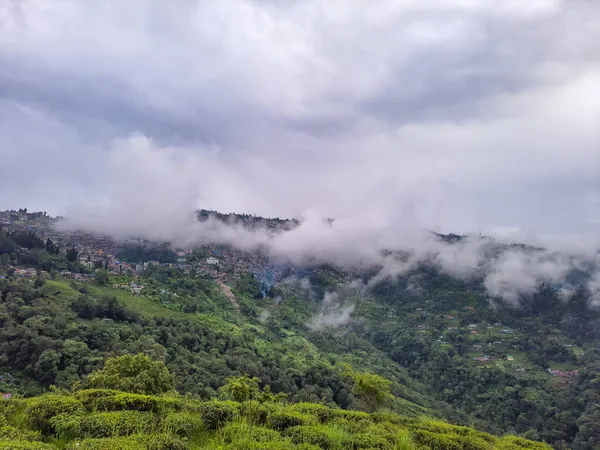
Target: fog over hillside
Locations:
point(396, 121)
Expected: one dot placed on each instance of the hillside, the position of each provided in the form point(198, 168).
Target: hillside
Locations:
point(146, 414)
point(448, 350)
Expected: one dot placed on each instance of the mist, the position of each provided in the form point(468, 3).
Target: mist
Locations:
point(333, 313)
point(397, 121)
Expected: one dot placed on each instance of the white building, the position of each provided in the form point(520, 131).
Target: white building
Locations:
point(212, 261)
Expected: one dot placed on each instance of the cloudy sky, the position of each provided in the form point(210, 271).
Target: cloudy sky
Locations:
point(448, 114)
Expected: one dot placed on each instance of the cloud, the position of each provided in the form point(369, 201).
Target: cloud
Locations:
point(594, 287)
point(333, 313)
point(397, 119)
point(471, 114)
point(517, 274)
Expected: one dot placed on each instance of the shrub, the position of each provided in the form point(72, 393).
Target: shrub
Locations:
point(110, 400)
point(436, 426)
point(158, 441)
point(369, 441)
point(66, 425)
point(182, 424)
point(517, 443)
point(8, 432)
point(376, 435)
point(396, 419)
point(41, 409)
point(24, 445)
point(89, 396)
point(277, 445)
point(118, 423)
point(321, 412)
point(216, 413)
point(239, 431)
point(352, 416)
point(162, 441)
point(307, 447)
point(191, 405)
point(256, 412)
point(105, 444)
point(310, 435)
point(470, 438)
point(282, 420)
point(441, 441)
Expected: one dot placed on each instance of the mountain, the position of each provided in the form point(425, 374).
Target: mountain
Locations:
point(447, 347)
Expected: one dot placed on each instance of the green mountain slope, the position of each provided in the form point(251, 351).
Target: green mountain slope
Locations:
point(448, 350)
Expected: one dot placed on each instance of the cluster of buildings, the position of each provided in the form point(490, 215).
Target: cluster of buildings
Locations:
point(560, 373)
point(487, 358)
point(28, 272)
point(22, 220)
point(97, 251)
point(134, 288)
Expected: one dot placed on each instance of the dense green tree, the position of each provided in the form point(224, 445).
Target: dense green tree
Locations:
point(72, 254)
point(4, 259)
point(240, 389)
point(50, 246)
point(133, 373)
point(372, 389)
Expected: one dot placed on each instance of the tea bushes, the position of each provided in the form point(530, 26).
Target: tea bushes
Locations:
point(42, 409)
point(184, 424)
point(109, 400)
point(216, 413)
point(284, 419)
point(117, 423)
point(24, 445)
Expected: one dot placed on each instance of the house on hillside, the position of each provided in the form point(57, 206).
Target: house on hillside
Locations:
point(212, 261)
point(136, 289)
point(560, 373)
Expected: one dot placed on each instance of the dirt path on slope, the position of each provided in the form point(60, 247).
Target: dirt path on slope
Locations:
point(227, 291)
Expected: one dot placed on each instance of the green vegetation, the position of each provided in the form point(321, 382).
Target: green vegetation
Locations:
point(102, 418)
point(26, 249)
point(437, 350)
point(137, 253)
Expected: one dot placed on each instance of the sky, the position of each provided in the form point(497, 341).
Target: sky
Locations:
point(451, 116)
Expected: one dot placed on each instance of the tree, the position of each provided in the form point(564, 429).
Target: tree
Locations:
point(371, 388)
point(4, 259)
point(240, 389)
point(49, 246)
point(72, 254)
point(133, 373)
point(101, 277)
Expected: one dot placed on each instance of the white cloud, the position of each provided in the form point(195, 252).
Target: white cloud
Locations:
point(395, 119)
point(333, 313)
